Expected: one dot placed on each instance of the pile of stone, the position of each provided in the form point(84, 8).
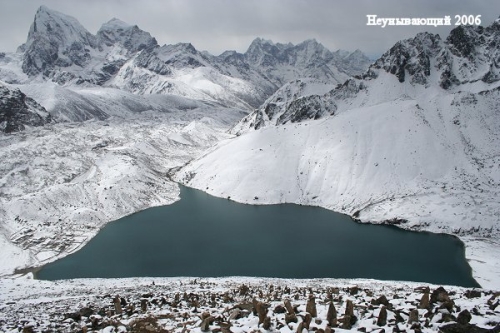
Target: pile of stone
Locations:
point(211, 307)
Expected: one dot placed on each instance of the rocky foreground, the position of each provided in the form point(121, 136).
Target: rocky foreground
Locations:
point(243, 305)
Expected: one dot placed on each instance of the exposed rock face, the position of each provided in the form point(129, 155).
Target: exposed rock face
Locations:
point(54, 40)
point(310, 57)
point(296, 101)
point(18, 111)
point(130, 36)
point(412, 56)
point(469, 53)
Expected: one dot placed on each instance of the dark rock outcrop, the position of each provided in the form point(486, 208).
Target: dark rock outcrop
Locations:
point(18, 111)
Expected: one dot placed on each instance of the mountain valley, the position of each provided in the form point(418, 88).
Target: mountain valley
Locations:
point(94, 127)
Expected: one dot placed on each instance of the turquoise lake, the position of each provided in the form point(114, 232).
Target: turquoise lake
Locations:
point(204, 236)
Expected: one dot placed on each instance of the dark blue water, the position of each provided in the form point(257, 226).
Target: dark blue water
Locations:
point(205, 236)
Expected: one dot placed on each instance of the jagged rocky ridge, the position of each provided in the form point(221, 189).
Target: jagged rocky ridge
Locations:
point(60, 49)
point(298, 100)
point(18, 111)
point(468, 55)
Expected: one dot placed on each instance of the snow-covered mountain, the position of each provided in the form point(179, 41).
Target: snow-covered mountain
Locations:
point(56, 40)
point(120, 55)
point(128, 36)
point(414, 141)
point(468, 60)
point(295, 101)
point(18, 111)
point(285, 62)
point(468, 55)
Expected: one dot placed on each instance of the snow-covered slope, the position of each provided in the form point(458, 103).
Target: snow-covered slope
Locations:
point(416, 142)
point(75, 104)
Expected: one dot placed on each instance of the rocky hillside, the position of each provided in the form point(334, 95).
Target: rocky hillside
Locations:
point(18, 111)
point(244, 305)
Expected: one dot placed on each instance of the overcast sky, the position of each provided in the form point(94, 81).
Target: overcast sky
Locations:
point(219, 25)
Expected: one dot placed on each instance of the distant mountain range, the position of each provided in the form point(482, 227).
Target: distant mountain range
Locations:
point(122, 56)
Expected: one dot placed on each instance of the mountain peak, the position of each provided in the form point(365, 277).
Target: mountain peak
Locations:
point(45, 9)
point(312, 45)
point(48, 21)
point(116, 24)
point(260, 40)
point(310, 41)
point(411, 57)
point(130, 36)
point(55, 39)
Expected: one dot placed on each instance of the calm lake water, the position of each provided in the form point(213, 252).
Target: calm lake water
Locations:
point(205, 236)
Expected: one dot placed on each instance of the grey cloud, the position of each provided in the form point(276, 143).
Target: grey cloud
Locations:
point(218, 25)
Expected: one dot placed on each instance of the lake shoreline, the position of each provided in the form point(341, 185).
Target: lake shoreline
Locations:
point(298, 210)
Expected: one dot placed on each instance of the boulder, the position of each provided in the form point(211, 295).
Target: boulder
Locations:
point(464, 317)
point(413, 318)
point(331, 315)
point(424, 301)
point(118, 305)
point(349, 308)
point(472, 293)
point(382, 317)
point(439, 295)
point(267, 323)
point(289, 307)
point(205, 324)
point(311, 306)
point(382, 300)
